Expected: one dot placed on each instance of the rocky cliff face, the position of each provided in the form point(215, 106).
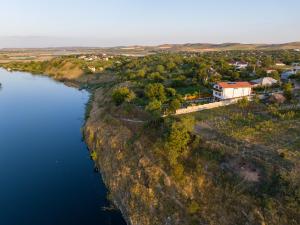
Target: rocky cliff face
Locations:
point(140, 188)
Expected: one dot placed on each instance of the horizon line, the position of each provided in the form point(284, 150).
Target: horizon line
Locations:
point(153, 45)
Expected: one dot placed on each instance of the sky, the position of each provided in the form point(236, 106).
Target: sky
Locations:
point(103, 23)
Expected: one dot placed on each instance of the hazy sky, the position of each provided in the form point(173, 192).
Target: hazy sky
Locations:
point(43, 23)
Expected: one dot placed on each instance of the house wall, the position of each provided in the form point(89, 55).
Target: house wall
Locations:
point(229, 93)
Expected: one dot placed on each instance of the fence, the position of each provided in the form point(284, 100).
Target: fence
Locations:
point(198, 108)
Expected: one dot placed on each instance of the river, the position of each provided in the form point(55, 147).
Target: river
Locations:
point(46, 174)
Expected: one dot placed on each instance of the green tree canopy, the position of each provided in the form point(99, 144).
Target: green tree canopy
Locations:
point(122, 94)
point(155, 91)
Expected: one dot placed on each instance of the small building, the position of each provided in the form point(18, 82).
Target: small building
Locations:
point(92, 69)
point(269, 71)
point(229, 90)
point(279, 64)
point(287, 74)
point(264, 82)
point(239, 65)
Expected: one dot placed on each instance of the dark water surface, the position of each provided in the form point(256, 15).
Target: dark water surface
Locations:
point(46, 175)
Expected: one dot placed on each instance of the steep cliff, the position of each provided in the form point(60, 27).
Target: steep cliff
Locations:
point(140, 188)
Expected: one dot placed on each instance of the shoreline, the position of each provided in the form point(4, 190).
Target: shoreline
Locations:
point(88, 107)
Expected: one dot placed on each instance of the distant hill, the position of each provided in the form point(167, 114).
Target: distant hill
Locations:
point(144, 50)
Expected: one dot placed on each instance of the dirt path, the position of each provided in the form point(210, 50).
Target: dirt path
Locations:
point(133, 121)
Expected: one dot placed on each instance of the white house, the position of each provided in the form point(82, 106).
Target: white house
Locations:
point(229, 90)
point(265, 82)
point(239, 65)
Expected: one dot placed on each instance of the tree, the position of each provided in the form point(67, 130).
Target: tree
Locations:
point(243, 103)
point(122, 94)
point(160, 69)
point(171, 66)
point(154, 107)
point(235, 75)
point(174, 105)
point(155, 91)
point(288, 90)
point(202, 75)
point(267, 61)
point(171, 92)
point(141, 73)
point(275, 75)
point(156, 76)
point(178, 138)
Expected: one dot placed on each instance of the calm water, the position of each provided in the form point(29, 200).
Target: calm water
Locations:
point(46, 175)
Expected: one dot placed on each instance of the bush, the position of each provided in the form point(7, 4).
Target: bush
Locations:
point(155, 91)
point(173, 106)
point(243, 103)
point(122, 94)
point(178, 138)
point(94, 155)
point(154, 107)
point(288, 89)
point(193, 207)
point(178, 171)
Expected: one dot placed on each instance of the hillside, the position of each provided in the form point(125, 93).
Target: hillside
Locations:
point(48, 53)
point(230, 172)
point(233, 165)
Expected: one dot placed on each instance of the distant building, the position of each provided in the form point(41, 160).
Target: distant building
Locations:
point(239, 65)
point(286, 75)
point(92, 69)
point(264, 82)
point(229, 90)
point(280, 64)
point(269, 71)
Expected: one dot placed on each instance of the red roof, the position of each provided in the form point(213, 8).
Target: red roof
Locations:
point(234, 84)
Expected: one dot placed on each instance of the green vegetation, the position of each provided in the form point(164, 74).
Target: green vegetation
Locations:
point(122, 94)
point(232, 165)
point(94, 155)
point(288, 89)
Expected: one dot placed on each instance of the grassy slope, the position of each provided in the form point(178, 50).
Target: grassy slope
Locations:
point(234, 171)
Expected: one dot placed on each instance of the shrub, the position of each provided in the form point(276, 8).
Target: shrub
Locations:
point(178, 171)
point(122, 94)
point(171, 92)
point(94, 155)
point(287, 90)
point(155, 91)
point(193, 207)
point(243, 103)
point(173, 106)
point(178, 138)
point(154, 107)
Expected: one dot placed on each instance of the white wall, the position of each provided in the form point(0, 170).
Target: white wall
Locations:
point(198, 108)
point(229, 93)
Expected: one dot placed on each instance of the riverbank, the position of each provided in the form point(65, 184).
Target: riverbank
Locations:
point(212, 167)
point(40, 136)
